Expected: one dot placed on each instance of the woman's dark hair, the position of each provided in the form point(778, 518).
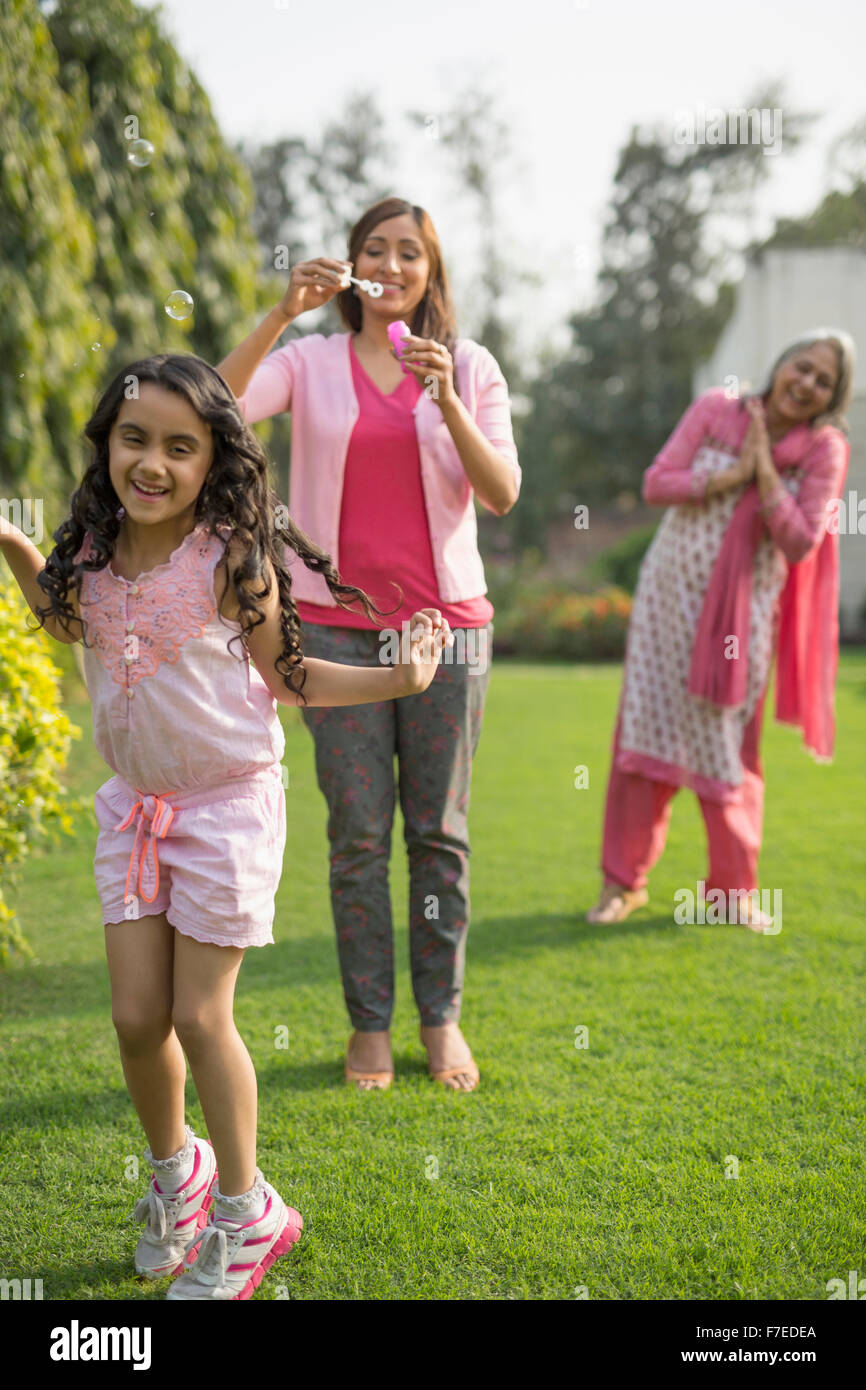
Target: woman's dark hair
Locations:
point(434, 315)
point(236, 494)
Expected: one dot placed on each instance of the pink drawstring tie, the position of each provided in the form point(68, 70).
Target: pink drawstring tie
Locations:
point(160, 814)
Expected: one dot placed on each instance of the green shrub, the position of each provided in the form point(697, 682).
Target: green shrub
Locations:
point(557, 622)
point(621, 562)
point(35, 738)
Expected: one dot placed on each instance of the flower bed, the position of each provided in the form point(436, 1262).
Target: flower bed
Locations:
point(558, 623)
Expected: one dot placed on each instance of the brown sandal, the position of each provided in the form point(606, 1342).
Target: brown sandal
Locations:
point(381, 1079)
point(630, 899)
point(467, 1068)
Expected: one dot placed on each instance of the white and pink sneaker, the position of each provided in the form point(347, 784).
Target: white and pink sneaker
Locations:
point(173, 1220)
point(231, 1258)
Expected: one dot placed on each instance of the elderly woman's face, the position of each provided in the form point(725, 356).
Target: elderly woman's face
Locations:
point(804, 384)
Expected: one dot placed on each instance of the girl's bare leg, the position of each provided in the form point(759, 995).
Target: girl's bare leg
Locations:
point(140, 962)
point(204, 985)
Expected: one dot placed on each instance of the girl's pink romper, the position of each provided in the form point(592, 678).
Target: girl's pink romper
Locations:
point(193, 824)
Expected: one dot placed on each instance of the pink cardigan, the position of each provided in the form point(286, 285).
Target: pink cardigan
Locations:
point(312, 377)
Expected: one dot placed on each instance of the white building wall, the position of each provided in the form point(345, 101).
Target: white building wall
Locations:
point(782, 294)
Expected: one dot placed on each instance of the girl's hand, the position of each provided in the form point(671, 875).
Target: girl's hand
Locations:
point(430, 359)
point(312, 284)
point(429, 632)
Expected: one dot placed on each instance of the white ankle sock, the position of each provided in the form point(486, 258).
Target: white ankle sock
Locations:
point(247, 1206)
point(171, 1173)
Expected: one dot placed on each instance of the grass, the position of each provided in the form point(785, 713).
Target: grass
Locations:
point(710, 1051)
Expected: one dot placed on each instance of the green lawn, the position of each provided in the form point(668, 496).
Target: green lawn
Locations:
point(602, 1167)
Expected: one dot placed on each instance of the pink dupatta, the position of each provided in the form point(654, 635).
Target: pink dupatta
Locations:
point(808, 638)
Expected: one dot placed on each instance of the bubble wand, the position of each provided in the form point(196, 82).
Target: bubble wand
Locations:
point(370, 287)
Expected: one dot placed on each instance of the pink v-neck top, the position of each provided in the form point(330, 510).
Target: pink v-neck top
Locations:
point(313, 377)
point(384, 531)
point(174, 709)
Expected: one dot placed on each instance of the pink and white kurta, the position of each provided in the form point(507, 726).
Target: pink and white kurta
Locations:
point(665, 733)
point(664, 728)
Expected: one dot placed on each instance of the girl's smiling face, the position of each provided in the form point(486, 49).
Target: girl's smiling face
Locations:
point(394, 254)
point(159, 442)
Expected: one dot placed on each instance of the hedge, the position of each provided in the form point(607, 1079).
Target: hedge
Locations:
point(35, 737)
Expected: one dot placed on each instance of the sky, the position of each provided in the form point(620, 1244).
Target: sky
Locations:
point(571, 78)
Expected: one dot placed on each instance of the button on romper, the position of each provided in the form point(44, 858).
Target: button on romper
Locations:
point(193, 824)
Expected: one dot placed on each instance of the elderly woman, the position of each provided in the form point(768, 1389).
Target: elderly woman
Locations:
point(742, 563)
point(385, 466)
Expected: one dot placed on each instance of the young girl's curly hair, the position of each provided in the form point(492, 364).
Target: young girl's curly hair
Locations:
point(236, 494)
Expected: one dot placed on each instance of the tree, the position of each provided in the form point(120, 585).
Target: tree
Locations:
point(479, 140)
point(181, 221)
point(601, 412)
point(840, 217)
point(309, 194)
point(91, 246)
point(47, 254)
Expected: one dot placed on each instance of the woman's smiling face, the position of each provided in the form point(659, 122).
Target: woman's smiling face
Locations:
point(394, 255)
point(804, 384)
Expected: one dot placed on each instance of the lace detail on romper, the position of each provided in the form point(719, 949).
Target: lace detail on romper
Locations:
point(172, 605)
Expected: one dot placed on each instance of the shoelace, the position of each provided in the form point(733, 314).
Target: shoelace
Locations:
point(214, 1253)
point(152, 1210)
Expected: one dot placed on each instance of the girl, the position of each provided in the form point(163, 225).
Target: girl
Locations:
point(174, 548)
point(385, 468)
point(741, 562)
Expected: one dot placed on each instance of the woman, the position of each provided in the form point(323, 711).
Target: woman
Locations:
point(741, 562)
point(385, 466)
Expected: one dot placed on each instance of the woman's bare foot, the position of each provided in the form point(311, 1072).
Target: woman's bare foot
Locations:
point(449, 1058)
point(370, 1054)
point(616, 903)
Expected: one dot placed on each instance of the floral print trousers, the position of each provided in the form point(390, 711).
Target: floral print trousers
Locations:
point(434, 737)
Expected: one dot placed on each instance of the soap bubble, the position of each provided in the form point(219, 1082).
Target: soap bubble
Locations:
point(140, 153)
point(94, 347)
point(179, 305)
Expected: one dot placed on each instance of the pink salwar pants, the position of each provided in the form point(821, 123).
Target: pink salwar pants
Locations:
point(638, 812)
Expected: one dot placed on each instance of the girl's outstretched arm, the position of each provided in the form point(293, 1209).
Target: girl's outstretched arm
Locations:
point(26, 563)
point(330, 683)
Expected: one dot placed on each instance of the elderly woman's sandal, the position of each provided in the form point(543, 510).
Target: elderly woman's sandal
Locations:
point(616, 903)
